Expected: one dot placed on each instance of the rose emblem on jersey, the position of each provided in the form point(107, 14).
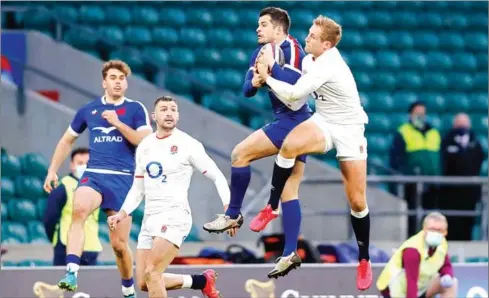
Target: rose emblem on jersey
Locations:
point(174, 149)
point(163, 229)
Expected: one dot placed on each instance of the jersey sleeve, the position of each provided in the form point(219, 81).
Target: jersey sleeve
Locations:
point(141, 118)
point(203, 163)
point(139, 170)
point(248, 89)
point(79, 123)
point(308, 83)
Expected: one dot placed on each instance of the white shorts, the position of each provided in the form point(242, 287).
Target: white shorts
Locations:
point(173, 226)
point(348, 139)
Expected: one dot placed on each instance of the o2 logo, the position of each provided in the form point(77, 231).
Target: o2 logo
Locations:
point(155, 171)
point(317, 96)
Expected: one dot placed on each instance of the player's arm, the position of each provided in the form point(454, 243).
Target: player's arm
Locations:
point(142, 124)
point(202, 162)
point(446, 273)
point(136, 193)
point(411, 260)
point(63, 149)
point(248, 89)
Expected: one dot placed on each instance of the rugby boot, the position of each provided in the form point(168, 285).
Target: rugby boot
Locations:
point(210, 290)
point(223, 223)
point(284, 265)
point(261, 220)
point(69, 282)
point(364, 275)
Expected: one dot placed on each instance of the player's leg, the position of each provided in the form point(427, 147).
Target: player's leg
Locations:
point(159, 258)
point(204, 282)
point(351, 147)
point(255, 146)
point(446, 290)
point(119, 240)
point(85, 201)
point(115, 189)
point(307, 137)
point(291, 222)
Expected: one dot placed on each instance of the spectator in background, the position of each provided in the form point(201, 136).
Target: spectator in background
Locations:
point(416, 151)
point(462, 155)
point(57, 219)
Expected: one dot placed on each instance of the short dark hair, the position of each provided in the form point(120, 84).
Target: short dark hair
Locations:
point(80, 150)
point(279, 17)
point(164, 98)
point(415, 104)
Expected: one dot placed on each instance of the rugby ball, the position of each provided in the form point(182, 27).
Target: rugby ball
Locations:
point(278, 54)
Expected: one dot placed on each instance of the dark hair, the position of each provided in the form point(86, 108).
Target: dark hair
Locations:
point(164, 98)
point(279, 17)
point(80, 150)
point(416, 104)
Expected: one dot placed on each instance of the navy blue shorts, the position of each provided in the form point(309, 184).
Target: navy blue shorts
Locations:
point(112, 187)
point(280, 127)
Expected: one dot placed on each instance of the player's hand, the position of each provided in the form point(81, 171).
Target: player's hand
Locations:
point(262, 69)
point(257, 80)
point(113, 220)
point(51, 178)
point(111, 117)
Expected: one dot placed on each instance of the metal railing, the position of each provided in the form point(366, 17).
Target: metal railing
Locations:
point(400, 181)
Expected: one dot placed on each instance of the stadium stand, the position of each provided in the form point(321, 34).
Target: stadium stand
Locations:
point(419, 50)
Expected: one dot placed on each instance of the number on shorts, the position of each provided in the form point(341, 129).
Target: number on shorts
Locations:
point(155, 171)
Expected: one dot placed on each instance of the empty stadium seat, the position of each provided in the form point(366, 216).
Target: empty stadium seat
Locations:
point(380, 19)
point(425, 40)
point(192, 37)
point(379, 123)
point(409, 81)
point(3, 211)
point(200, 17)
point(479, 123)
point(387, 60)
point(155, 57)
point(137, 36)
point(35, 17)
point(478, 102)
point(208, 57)
point(483, 141)
point(145, 15)
point(362, 60)
point(92, 14)
point(236, 58)
point(363, 80)
point(401, 40)
point(112, 35)
point(246, 38)
point(123, 15)
point(103, 233)
point(383, 81)
point(351, 40)
point(402, 100)
point(413, 60)
point(181, 57)
point(476, 41)
point(21, 210)
point(482, 61)
point(464, 62)
point(434, 81)
point(28, 187)
point(377, 143)
point(164, 36)
point(226, 18)
point(354, 19)
point(81, 37)
point(460, 81)
point(257, 122)
point(484, 168)
point(438, 61)
point(10, 166)
point(14, 233)
point(380, 101)
point(132, 56)
point(173, 17)
point(433, 101)
point(221, 37)
point(480, 81)
point(204, 77)
point(34, 164)
point(37, 233)
point(229, 78)
point(451, 41)
point(457, 102)
point(66, 13)
point(177, 81)
point(224, 103)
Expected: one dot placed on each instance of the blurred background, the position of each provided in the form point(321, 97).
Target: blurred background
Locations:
point(431, 54)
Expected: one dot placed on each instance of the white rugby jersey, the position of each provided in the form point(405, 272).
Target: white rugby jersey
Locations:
point(164, 168)
point(329, 80)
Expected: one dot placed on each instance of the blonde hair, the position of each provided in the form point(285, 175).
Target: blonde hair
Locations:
point(115, 64)
point(331, 31)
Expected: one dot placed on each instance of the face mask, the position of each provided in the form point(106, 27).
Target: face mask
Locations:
point(433, 238)
point(461, 130)
point(418, 121)
point(79, 170)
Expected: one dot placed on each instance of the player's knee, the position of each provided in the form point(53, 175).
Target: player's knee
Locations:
point(289, 150)
point(120, 246)
point(358, 203)
point(238, 156)
point(150, 273)
point(80, 214)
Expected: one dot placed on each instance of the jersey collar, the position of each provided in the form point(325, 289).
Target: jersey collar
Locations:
point(120, 103)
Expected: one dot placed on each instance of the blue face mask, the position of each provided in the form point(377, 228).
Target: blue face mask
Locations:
point(461, 130)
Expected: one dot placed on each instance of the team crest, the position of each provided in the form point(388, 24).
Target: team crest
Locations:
point(163, 229)
point(361, 149)
point(174, 149)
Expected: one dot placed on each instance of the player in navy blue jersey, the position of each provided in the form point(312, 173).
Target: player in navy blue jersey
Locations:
point(273, 27)
point(116, 126)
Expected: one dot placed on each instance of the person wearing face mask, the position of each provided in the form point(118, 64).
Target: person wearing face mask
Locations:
point(421, 266)
point(462, 155)
point(416, 151)
point(57, 218)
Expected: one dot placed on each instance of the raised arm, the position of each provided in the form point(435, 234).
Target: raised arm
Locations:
point(202, 162)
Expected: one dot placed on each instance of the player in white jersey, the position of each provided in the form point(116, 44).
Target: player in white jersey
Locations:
point(165, 162)
point(339, 122)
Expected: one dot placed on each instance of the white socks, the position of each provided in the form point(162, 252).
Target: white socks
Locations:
point(126, 291)
point(285, 163)
point(72, 267)
point(360, 214)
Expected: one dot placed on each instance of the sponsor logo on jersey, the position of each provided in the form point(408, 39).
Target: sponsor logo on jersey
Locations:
point(108, 138)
